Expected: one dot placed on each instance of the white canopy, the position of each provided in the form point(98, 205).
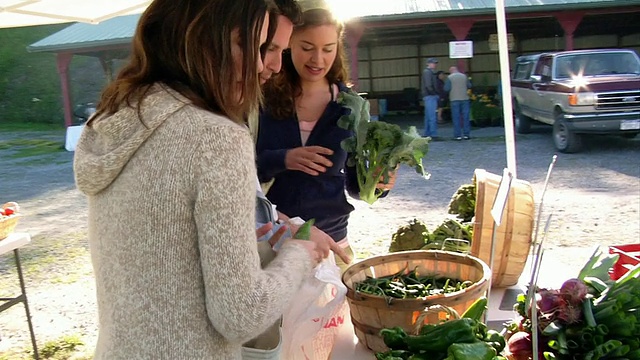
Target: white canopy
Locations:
point(16, 13)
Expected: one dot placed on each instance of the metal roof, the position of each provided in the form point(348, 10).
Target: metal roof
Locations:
point(116, 31)
point(399, 9)
point(120, 30)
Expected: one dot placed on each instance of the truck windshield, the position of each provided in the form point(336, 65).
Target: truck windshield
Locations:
point(569, 66)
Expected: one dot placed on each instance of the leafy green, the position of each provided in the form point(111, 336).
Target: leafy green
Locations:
point(378, 147)
point(463, 202)
point(598, 266)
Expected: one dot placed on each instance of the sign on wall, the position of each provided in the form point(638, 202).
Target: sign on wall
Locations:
point(493, 42)
point(460, 49)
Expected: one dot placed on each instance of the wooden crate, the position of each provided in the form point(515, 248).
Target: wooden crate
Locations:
point(513, 236)
point(370, 313)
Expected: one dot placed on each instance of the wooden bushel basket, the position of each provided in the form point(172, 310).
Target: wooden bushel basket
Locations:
point(513, 236)
point(371, 313)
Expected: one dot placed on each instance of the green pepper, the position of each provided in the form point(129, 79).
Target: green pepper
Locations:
point(427, 328)
point(420, 357)
point(473, 351)
point(393, 355)
point(304, 231)
point(481, 331)
point(496, 340)
point(476, 309)
point(394, 338)
point(443, 335)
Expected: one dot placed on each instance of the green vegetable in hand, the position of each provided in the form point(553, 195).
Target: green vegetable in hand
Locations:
point(377, 147)
point(471, 351)
point(304, 231)
point(409, 237)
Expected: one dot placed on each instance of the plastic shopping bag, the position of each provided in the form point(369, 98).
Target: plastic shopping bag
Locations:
point(311, 324)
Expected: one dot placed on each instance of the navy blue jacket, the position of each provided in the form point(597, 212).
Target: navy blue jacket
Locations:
point(295, 193)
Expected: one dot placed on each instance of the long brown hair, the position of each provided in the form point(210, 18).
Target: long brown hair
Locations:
point(282, 90)
point(187, 45)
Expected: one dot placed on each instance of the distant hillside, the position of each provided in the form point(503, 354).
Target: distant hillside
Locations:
point(29, 82)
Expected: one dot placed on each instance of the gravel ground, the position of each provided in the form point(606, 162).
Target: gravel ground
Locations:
point(593, 196)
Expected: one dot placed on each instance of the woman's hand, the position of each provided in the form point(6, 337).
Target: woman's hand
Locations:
point(308, 159)
point(326, 243)
point(264, 230)
point(390, 184)
point(316, 254)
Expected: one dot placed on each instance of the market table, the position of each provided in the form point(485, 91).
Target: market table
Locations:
point(14, 242)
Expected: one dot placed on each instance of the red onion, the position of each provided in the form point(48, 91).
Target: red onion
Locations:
point(519, 345)
point(574, 291)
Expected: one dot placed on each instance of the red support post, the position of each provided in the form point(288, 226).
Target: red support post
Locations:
point(353, 33)
point(460, 29)
point(63, 60)
point(569, 22)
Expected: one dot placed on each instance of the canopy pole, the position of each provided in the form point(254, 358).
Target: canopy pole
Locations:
point(505, 83)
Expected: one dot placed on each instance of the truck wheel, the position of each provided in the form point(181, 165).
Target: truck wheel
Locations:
point(564, 139)
point(522, 122)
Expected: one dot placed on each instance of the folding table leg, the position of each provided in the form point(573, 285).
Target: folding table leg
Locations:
point(26, 304)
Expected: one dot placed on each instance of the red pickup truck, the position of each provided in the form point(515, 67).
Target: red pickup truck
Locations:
point(578, 92)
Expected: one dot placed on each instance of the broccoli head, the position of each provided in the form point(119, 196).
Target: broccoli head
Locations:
point(409, 237)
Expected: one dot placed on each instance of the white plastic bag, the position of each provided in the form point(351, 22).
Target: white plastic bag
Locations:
point(311, 324)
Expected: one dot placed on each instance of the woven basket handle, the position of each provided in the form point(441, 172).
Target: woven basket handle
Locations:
point(452, 313)
point(13, 205)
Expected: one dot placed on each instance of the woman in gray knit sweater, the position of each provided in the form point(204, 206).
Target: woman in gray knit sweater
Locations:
point(169, 173)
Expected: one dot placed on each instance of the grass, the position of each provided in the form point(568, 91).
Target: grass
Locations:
point(30, 91)
point(66, 347)
point(63, 259)
point(49, 261)
point(29, 82)
point(29, 126)
point(23, 148)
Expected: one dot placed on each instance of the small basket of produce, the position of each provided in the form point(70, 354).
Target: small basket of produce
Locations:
point(9, 215)
point(393, 290)
point(459, 338)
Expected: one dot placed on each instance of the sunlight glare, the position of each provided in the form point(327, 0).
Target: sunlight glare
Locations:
point(344, 10)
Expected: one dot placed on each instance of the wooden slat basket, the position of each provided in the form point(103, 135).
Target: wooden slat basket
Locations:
point(513, 236)
point(371, 313)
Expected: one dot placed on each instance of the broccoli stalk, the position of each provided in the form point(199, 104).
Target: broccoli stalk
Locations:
point(377, 147)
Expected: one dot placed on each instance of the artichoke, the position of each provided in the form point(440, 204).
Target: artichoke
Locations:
point(409, 237)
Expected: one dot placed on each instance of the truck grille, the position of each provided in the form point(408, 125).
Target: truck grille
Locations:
point(619, 100)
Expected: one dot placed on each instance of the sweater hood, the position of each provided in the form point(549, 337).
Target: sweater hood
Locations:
point(106, 146)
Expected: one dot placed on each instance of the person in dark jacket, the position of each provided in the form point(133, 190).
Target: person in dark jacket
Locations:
point(441, 77)
point(299, 140)
point(430, 97)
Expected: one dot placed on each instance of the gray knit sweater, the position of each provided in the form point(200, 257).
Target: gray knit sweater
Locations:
point(172, 234)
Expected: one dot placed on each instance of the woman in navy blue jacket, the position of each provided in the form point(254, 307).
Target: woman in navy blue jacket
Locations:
point(299, 140)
